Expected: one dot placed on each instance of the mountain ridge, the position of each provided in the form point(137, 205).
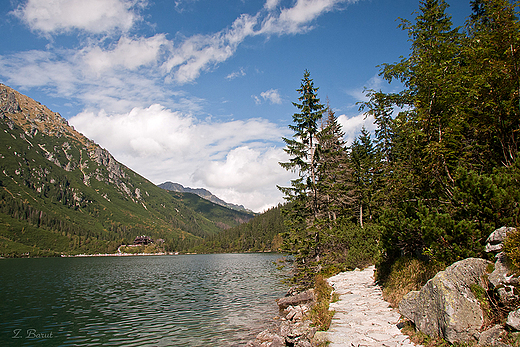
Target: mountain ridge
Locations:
point(203, 193)
point(61, 193)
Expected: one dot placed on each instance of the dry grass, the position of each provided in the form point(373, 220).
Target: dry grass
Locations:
point(320, 314)
point(405, 275)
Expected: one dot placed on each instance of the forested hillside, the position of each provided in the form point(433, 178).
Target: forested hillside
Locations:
point(260, 234)
point(60, 193)
point(442, 170)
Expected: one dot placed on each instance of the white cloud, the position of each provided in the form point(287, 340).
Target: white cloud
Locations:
point(109, 76)
point(127, 53)
point(236, 74)
point(294, 20)
point(201, 52)
point(237, 159)
point(272, 95)
point(271, 4)
point(247, 175)
point(99, 79)
point(94, 16)
point(351, 126)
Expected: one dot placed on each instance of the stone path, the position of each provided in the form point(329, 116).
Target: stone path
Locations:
point(362, 317)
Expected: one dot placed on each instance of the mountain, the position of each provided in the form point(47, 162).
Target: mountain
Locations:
point(61, 193)
point(203, 193)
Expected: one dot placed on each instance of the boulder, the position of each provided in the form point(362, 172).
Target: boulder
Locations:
point(446, 306)
point(265, 335)
point(491, 337)
point(496, 238)
point(503, 282)
point(295, 300)
point(278, 341)
point(513, 320)
point(408, 304)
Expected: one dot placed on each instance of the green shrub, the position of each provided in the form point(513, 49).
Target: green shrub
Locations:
point(512, 249)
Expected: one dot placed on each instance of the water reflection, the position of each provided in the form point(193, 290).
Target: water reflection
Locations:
point(187, 300)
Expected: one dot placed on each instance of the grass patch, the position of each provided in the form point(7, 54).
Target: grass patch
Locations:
point(405, 275)
point(320, 314)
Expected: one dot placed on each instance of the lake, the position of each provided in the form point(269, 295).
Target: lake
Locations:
point(182, 300)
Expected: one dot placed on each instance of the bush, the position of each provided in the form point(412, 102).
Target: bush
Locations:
point(512, 249)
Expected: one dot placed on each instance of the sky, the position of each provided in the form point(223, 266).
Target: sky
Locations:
point(201, 92)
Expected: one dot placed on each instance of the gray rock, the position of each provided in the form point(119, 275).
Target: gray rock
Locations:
point(445, 306)
point(8, 102)
point(491, 337)
point(294, 300)
point(278, 341)
point(502, 281)
point(408, 305)
point(495, 239)
point(303, 343)
point(265, 335)
point(513, 320)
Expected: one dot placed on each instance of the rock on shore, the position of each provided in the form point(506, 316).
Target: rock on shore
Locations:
point(292, 328)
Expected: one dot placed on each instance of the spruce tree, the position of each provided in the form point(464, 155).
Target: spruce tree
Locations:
point(335, 183)
point(303, 238)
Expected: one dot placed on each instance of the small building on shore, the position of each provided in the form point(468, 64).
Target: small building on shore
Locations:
point(143, 240)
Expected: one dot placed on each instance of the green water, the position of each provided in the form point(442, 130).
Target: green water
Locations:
point(183, 300)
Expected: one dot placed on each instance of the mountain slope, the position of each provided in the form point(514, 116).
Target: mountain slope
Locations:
point(62, 193)
point(203, 193)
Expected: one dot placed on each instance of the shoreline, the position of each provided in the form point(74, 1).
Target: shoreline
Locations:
point(120, 254)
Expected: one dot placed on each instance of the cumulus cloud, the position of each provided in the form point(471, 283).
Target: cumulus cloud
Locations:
point(352, 126)
point(94, 16)
point(247, 174)
point(239, 159)
point(271, 95)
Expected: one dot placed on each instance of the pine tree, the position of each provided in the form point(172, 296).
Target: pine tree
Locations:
point(303, 238)
point(363, 161)
point(335, 184)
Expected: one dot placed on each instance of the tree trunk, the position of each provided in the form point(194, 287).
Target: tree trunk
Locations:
point(361, 215)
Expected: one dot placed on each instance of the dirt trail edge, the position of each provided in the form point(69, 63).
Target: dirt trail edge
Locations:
point(362, 317)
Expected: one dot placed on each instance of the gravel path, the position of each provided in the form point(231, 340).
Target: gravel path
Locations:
point(362, 317)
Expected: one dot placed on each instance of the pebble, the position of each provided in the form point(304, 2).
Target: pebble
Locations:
point(363, 318)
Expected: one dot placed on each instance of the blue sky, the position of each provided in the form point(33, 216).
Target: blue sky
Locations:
point(200, 92)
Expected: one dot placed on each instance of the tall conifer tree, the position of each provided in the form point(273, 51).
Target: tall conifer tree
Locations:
point(303, 238)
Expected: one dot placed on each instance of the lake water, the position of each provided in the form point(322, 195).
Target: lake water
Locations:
point(183, 300)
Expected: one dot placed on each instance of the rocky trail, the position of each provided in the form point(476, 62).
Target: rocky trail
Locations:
point(362, 317)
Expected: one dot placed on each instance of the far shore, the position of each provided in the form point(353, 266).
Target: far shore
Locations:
point(120, 254)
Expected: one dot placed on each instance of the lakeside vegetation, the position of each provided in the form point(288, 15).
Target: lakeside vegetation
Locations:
point(442, 169)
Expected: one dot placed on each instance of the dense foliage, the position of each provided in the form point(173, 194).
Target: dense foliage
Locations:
point(442, 171)
point(260, 234)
